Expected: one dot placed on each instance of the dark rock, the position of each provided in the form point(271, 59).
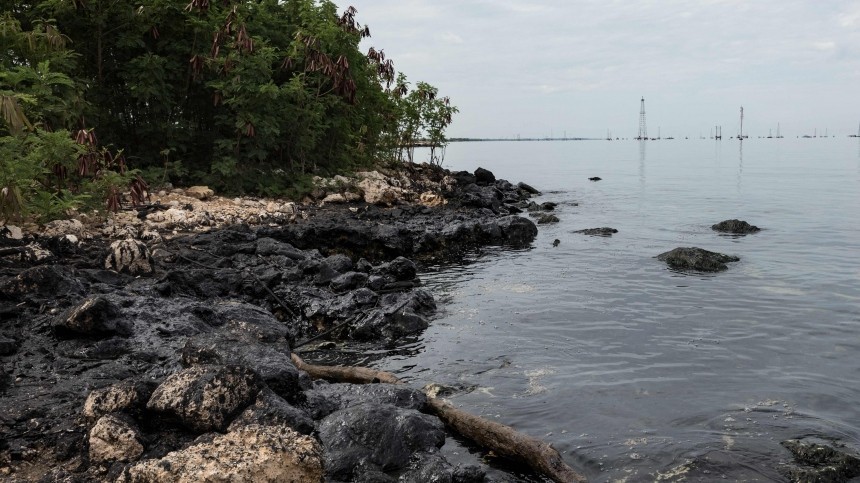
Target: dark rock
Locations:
point(95, 316)
point(595, 178)
point(206, 398)
point(694, 258)
point(604, 231)
point(269, 247)
point(822, 461)
point(54, 281)
point(7, 346)
point(272, 410)
point(548, 206)
point(736, 227)
point(382, 435)
point(434, 467)
point(364, 266)
point(556, 242)
point(517, 231)
point(398, 270)
point(339, 263)
point(528, 189)
point(324, 398)
point(478, 196)
point(484, 177)
point(545, 218)
point(464, 178)
point(348, 281)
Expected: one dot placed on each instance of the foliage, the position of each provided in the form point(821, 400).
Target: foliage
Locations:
point(246, 96)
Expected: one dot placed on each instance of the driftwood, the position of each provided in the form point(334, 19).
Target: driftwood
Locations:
point(502, 440)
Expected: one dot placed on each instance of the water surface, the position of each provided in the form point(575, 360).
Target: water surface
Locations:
point(635, 372)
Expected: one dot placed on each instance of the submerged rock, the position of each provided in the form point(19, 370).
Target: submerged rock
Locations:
point(695, 258)
point(264, 454)
point(545, 219)
point(736, 227)
point(820, 461)
point(604, 231)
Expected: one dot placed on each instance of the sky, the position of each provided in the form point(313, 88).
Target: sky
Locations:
point(579, 67)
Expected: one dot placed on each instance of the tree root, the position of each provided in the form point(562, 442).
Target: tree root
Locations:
point(502, 440)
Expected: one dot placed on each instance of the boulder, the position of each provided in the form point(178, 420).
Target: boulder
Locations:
point(129, 256)
point(126, 396)
point(253, 453)
point(546, 218)
point(325, 398)
point(383, 436)
point(736, 227)
point(695, 258)
point(114, 438)
point(206, 398)
point(463, 178)
point(269, 409)
point(95, 316)
point(335, 198)
point(821, 461)
point(604, 231)
point(484, 177)
point(63, 228)
point(528, 189)
point(200, 192)
point(517, 231)
point(348, 281)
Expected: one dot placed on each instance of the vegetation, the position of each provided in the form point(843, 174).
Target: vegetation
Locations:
point(248, 96)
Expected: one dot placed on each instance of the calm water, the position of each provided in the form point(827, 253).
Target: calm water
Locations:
point(635, 372)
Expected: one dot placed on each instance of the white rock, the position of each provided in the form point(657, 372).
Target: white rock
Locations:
point(114, 439)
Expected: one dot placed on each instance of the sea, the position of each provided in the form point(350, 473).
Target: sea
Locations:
point(633, 371)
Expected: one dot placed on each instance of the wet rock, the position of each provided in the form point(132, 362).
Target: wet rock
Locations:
point(52, 281)
point(272, 410)
point(129, 256)
point(527, 188)
point(95, 316)
point(7, 346)
point(695, 258)
point(441, 390)
point(546, 219)
point(595, 178)
point(400, 269)
point(206, 397)
point(822, 461)
point(269, 247)
point(478, 196)
point(736, 227)
point(517, 231)
point(384, 436)
point(200, 192)
point(115, 438)
point(325, 398)
point(604, 231)
point(127, 396)
point(548, 206)
point(434, 467)
point(484, 177)
point(348, 281)
point(264, 454)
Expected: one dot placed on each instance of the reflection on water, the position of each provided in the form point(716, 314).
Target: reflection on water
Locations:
point(635, 372)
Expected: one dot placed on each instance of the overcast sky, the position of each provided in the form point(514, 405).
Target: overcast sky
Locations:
point(553, 66)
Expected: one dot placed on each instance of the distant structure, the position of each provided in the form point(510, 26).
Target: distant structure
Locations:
point(643, 130)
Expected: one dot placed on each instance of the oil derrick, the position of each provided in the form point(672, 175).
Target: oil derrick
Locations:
point(643, 130)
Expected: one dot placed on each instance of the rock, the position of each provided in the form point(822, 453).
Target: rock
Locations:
point(11, 233)
point(269, 247)
point(556, 242)
point(429, 198)
point(95, 316)
point(114, 439)
point(206, 397)
point(595, 178)
point(604, 231)
point(434, 467)
point(127, 396)
point(528, 189)
point(736, 227)
point(272, 410)
point(545, 219)
point(7, 346)
point(484, 177)
point(464, 178)
point(62, 228)
point(398, 270)
point(259, 454)
point(548, 206)
point(200, 192)
point(348, 281)
point(821, 461)
point(51, 281)
point(334, 198)
point(384, 436)
point(325, 398)
point(129, 256)
point(517, 231)
point(696, 259)
point(35, 253)
point(339, 263)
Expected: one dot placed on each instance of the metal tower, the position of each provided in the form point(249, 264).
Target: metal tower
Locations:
point(643, 130)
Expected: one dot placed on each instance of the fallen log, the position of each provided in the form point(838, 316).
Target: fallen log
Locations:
point(502, 440)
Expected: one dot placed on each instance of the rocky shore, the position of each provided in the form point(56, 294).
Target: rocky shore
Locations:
point(157, 347)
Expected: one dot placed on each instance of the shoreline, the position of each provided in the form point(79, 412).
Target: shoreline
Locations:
point(106, 373)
